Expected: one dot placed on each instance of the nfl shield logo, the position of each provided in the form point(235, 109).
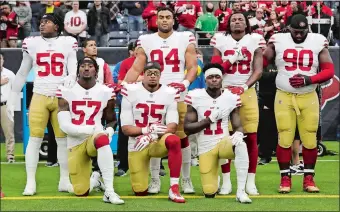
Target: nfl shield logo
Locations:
point(86, 93)
point(151, 95)
point(214, 102)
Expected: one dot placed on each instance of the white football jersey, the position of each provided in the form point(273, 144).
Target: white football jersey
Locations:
point(203, 103)
point(50, 57)
point(240, 71)
point(86, 107)
point(76, 21)
point(292, 59)
point(169, 53)
point(141, 108)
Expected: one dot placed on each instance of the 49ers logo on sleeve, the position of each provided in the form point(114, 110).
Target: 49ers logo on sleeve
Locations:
point(330, 91)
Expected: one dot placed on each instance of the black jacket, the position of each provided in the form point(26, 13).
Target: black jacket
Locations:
point(92, 20)
point(132, 9)
point(267, 89)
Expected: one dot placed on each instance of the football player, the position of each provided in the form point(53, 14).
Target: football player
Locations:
point(208, 115)
point(149, 117)
point(298, 56)
point(240, 54)
point(173, 51)
point(81, 109)
point(53, 58)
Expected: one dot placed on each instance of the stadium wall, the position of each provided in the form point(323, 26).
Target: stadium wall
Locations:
point(330, 96)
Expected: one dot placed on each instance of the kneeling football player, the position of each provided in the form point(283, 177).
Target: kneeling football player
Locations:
point(81, 109)
point(208, 115)
point(149, 117)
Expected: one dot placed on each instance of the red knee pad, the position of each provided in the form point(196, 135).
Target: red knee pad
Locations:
point(101, 140)
point(143, 193)
point(184, 142)
point(172, 140)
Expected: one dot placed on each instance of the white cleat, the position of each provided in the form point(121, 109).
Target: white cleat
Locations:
point(154, 186)
point(30, 190)
point(174, 194)
point(96, 183)
point(251, 189)
point(65, 186)
point(112, 197)
point(187, 186)
point(194, 162)
point(226, 187)
point(242, 197)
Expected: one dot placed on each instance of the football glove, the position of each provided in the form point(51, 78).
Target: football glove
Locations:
point(299, 80)
point(114, 86)
point(215, 115)
point(236, 138)
point(109, 131)
point(143, 141)
point(69, 81)
point(180, 86)
point(155, 128)
point(237, 56)
point(238, 89)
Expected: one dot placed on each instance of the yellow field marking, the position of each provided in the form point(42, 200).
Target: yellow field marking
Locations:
point(166, 197)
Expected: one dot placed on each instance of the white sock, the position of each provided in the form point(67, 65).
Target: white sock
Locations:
point(241, 165)
point(251, 178)
point(186, 162)
point(32, 159)
point(226, 178)
point(63, 158)
point(174, 181)
point(105, 163)
point(155, 164)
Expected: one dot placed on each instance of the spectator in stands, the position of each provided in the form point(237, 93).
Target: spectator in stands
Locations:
point(98, 21)
point(150, 14)
point(251, 13)
point(295, 9)
point(336, 27)
point(206, 25)
point(115, 14)
point(245, 4)
point(36, 6)
point(222, 14)
point(50, 8)
point(7, 125)
point(236, 7)
point(24, 13)
point(188, 12)
point(273, 25)
point(325, 13)
point(135, 10)
point(66, 6)
point(8, 26)
point(257, 23)
point(282, 9)
point(75, 23)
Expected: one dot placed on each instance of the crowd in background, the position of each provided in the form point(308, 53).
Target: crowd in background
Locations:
point(97, 19)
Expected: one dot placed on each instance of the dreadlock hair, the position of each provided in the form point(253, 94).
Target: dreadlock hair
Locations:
point(93, 61)
point(248, 28)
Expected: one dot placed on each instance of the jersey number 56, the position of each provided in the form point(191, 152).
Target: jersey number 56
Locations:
point(50, 63)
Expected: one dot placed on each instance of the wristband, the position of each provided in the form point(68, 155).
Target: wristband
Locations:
point(186, 83)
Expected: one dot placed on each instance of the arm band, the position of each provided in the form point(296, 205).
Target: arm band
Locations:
point(326, 73)
point(216, 59)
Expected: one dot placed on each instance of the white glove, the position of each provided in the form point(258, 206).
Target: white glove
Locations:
point(155, 129)
point(69, 81)
point(109, 131)
point(215, 115)
point(10, 105)
point(236, 138)
point(237, 56)
point(143, 141)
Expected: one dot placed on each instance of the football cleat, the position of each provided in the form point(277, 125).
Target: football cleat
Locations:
point(174, 194)
point(296, 170)
point(112, 197)
point(285, 185)
point(187, 186)
point(154, 186)
point(194, 162)
point(226, 187)
point(309, 185)
point(65, 186)
point(96, 183)
point(251, 189)
point(243, 197)
point(30, 190)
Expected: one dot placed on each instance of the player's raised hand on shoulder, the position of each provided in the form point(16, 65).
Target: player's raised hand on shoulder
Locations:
point(114, 86)
point(177, 85)
point(299, 80)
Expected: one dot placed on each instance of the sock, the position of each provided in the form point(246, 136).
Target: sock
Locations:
point(241, 165)
point(155, 167)
point(32, 159)
point(173, 146)
point(186, 157)
point(226, 178)
point(309, 160)
point(174, 181)
point(251, 141)
point(226, 167)
point(105, 161)
point(283, 158)
point(62, 158)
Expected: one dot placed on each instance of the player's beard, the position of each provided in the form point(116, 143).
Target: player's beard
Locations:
point(165, 30)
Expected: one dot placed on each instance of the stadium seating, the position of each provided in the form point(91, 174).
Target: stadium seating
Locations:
point(118, 35)
point(135, 34)
point(118, 42)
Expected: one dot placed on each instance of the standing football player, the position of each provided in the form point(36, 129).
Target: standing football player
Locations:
point(240, 54)
point(208, 115)
point(81, 109)
point(52, 57)
point(173, 51)
point(298, 55)
point(149, 117)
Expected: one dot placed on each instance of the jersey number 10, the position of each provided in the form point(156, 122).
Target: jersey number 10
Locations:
point(55, 67)
point(208, 131)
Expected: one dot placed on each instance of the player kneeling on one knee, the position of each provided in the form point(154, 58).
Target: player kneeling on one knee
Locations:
point(90, 101)
point(149, 117)
point(208, 115)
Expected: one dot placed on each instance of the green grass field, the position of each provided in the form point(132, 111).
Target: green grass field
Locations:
point(13, 179)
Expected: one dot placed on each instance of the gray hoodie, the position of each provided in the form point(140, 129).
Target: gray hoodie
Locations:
point(24, 14)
